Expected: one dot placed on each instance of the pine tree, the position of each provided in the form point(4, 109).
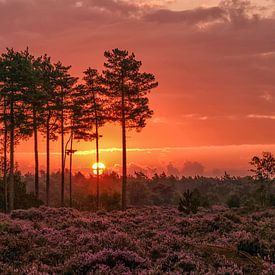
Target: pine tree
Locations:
point(86, 116)
point(97, 111)
point(127, 89)
point(48, 76)
point(14, 69)
point(35, 97)
point(65, 83)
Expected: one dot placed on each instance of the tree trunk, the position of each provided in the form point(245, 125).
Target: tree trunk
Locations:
point(36, 174)
point(71, 164)
point(5, 178)
point(97, 161)
point(97, 151)
point(124, 160)
point(11, 176)
point(48, 161)
point(62, 157)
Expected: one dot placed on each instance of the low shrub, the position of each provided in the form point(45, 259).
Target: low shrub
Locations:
point(233, 201)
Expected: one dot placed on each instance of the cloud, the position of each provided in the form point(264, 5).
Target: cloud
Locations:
point(188, 16)
point(195, 116)
point(54, 16)
point(272, 117)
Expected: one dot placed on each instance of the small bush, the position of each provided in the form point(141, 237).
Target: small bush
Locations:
point(111, 202)
point(253, 247)
point(233, 201)
point(189, 202)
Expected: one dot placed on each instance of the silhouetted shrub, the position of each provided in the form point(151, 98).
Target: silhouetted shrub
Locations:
point(22, 199)
point(189, 202)
point(110, 201)
point(272, 199)
point(253, 247)
point(233, 201)
point(251, 204)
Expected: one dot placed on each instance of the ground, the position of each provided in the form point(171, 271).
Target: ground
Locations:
point(150, 240)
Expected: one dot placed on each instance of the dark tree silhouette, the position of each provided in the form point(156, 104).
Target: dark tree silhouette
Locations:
point(264, 167)
point(15, 79)
point(127, 89)
point(88, 113)
point(48, 75)
point(4, 140)
point(264, 171)
point(78, 127)
point(97, 109)
point(65, 83)
point(35, 98)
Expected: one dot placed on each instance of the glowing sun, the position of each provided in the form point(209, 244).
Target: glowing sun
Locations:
point(98, 167)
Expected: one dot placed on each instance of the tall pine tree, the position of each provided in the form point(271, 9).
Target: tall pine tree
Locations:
point(127, 89)
point(15, 79)
point(97, 111)
point(48, 75)
point(35, 97)
point(65, 84)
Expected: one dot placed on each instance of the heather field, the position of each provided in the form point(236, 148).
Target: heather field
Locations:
point(151, 240)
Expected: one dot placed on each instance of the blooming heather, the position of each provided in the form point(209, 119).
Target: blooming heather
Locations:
point(151, 240)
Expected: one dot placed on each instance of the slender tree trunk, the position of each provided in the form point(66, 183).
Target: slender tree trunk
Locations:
point(36, 174)
point(11, 176)
point(62, 157)
point(97, 161)
point(71, 164)
point(48, 161)
point(97, 151)
point(5, 178)
point(124, 160)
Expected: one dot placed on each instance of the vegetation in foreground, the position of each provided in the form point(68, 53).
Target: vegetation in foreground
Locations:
point(153, 240)
point(176, 226)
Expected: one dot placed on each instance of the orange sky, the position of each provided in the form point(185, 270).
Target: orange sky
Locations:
point(215, 65)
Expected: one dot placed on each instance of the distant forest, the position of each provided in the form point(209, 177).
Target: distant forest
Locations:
point(160, 190)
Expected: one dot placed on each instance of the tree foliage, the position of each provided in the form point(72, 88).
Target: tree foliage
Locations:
point(263, 167)
point(127, 88)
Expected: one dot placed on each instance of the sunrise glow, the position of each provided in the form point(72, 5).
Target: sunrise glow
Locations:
point(137, 136)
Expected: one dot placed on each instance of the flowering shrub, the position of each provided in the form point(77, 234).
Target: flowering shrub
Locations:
point(149, 240)
point(87, 262)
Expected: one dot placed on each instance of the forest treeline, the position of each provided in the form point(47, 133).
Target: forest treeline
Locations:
point(41, 96)
point(159, 190)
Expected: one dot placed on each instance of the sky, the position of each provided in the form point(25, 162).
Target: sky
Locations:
point(214, 61)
